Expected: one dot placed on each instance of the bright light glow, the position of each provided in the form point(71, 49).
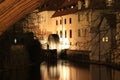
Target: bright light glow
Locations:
point(64, 72)
point(53, 45)
point(15, 40)
point(72, 6)
point(44, 42)
point(64, 43)
point(53, 72)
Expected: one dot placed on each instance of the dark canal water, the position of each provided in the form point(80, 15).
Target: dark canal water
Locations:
point(60, 70)
point(16, 65)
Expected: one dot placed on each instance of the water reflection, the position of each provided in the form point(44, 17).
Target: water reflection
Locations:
point(98, 72)
point(63, 70)
point(16, 74)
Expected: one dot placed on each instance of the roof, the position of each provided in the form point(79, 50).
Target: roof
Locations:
point(64, 12)
point(93, 4)
point(65, 8)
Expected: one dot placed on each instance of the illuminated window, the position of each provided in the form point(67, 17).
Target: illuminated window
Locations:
point(79, 33)
point(70, 20)
point(70, 33)
point(65, 33)
point(105, 39)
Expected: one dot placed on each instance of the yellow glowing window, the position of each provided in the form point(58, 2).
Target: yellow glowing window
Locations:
point(105, 39)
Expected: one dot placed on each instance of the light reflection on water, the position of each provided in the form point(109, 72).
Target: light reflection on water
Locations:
point(103, 73)
point(61, 70)
point(65, 70)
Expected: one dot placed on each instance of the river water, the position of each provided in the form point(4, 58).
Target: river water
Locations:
point(60, 70)
point(17, 65)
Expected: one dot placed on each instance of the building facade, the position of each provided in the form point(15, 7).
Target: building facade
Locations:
point(94, 30)
point(74, 34)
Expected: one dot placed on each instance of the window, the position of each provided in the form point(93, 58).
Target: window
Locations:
point(56, 22)
point(65, 33)
point(65, 21)
point(70, 33)
point(61, 34)
point(79, 33)
point(105, 39)
point(60, 21)
point(70, 20)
